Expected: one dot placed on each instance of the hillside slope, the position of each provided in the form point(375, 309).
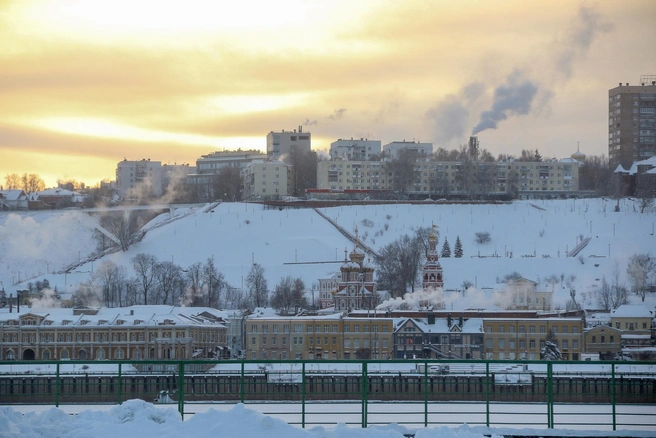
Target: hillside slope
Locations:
point(531, 238)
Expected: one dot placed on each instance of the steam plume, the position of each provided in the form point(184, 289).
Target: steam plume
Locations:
point(514, 97)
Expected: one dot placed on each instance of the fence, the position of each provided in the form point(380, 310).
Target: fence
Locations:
point(420, 393)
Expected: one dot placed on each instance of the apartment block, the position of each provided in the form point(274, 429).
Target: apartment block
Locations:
point(355, 150)
point(281, 143)
point(266, 180)
point(632, 121)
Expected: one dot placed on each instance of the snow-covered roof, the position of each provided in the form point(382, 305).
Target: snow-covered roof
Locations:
point(124, 316)
point(632, 311)
point(12, 195)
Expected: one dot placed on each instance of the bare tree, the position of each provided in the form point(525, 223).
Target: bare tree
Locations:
point(215, 283)
point(289, 296)
point(168, 276)
point(195, 285)
point(399, 265)
point(112, 280)
point(611, 296)
point(227, 184)
point(32, 183)
point(640, 269)
point(13, 182)
point(257, 286)
point(123, 227)
point(144, 266)
point(403, 170)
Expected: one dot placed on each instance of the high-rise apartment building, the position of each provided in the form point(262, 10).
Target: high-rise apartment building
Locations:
point(632, 121)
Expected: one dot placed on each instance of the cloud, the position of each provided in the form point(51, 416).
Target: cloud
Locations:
point(309, 122)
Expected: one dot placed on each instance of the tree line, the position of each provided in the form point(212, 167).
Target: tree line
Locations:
point(162, 282)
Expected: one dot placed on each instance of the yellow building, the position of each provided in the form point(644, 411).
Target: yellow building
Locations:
point(317, 337)
point(518, 338)
point(635, 321)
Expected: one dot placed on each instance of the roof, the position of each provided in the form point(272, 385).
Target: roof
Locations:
point(124, 316)
point(632, 311)
point(12, 195)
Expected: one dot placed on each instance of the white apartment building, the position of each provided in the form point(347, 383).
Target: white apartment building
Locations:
point(265, 180)
point(143, 177)
point(392, 149)
point(525, 180)
point(359, 150)
point(212, 163)
point(281, 143)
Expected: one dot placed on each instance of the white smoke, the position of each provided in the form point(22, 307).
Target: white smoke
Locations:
point(48, 300)
point(514, 97)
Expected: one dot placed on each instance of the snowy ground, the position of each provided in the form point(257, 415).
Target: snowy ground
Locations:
point(138, 419)
point(529, 237)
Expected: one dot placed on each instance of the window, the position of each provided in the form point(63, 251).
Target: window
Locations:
point(502, 329)
point(522, 344)
point(531, 343)
point(488, 343)
point(565, 344)
point(575, 344)
point(511, 329)
point(522, 329)
point(488, 329)
point(543, 329)
point(531, 329)
point(502, 343)
point(564, 329)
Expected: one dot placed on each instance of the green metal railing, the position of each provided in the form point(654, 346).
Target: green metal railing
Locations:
point(616, 395)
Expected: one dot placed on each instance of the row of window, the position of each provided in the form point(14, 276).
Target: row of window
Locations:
point(318, 328)
point(521, 344)
point(531, 329)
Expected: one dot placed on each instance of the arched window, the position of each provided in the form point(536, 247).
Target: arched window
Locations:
point(46, 355)
point(63, 354)
point(137, 354)
point(118, 354)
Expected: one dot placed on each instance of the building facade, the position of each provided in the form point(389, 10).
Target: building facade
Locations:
point(265, 180)
point(515, 179)
point(519, 338)
point(355, 150)
point(393, 149)
point(632, 122)
point(132, 333)
point(281, 143)
point(329, 337)
point(135, 178)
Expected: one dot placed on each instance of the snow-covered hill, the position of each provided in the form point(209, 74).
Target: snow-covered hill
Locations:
point(529, 237)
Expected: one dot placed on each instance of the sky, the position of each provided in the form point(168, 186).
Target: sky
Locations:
point(527, 237)
point(84, 84)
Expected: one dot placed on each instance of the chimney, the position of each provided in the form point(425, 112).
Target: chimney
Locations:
point(460, 321)
point(17, 301)
point(431, 318)
point(11, 303)
point(448, 320)
point(653, 82)
point(300, 129)
point(627, 84)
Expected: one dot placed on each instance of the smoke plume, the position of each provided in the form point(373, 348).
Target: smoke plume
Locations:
point(450, 116)
point(337, 114)
point(514, 97)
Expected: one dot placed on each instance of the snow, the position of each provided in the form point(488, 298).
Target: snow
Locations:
point(138, 419)
point(529, 237)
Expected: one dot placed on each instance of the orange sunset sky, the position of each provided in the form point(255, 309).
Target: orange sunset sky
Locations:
point(84, 84)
